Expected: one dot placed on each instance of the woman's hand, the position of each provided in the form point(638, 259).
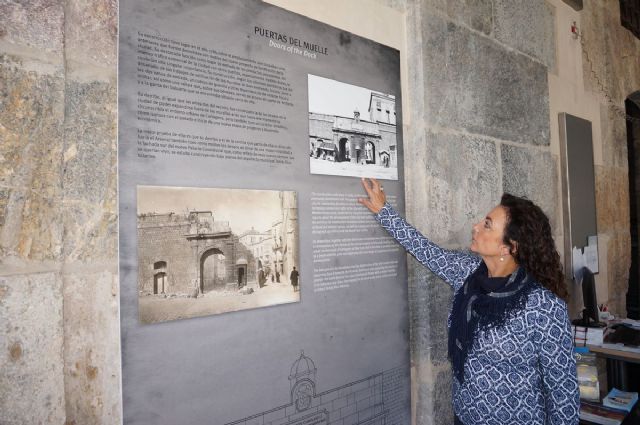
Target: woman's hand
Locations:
point(376, 199)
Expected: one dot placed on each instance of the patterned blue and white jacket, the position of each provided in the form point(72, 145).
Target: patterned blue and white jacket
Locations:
point(521, 373)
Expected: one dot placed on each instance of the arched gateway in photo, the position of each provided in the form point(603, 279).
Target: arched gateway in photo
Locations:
point(212, 270)
point(190, 254)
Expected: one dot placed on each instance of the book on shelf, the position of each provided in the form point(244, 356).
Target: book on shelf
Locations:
point(588, 336)
point(623, 400)
point(587, 374)
point(599, 414)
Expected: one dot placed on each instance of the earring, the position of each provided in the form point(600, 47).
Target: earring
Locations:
point(501, 258)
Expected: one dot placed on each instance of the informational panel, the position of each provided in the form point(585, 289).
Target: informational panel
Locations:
point(254, 288)
point(579, 194)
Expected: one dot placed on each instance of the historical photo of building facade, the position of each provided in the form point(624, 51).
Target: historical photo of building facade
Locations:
point(205, 251)
point(352, 130)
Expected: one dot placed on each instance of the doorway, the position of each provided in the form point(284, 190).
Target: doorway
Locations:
point(160, 283)
point(160, 277)
point(343, 150)
point(212, 270)
point(242, 276)
point(632, 106)
point(370, 153)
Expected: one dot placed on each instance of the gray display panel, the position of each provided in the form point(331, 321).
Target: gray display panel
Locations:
point(215, 104)
point(578, 183)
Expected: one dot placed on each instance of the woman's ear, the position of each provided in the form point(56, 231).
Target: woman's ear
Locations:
point(514, 248)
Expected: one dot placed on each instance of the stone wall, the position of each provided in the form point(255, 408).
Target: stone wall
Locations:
point(321, 126)
point(60, 352)
point(611, 68)
point(479, 126)
point(166, 242)
point(482, 71)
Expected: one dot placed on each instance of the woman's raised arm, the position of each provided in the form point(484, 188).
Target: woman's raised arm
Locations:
point(452, 266)
point(376, 197)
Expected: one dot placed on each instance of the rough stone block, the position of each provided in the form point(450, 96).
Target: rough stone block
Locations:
point(90, 181)
point(476, 14)
point(532, 174)
point(610, 62)
point(474, 84)
point(612, 199)
point(33, 23)
point(438, 305)
point(90, 232)
point(91, 32)
point(618, 263)
point(433, 398)
point(415, 172)
point(430, 301)
point(31, 116)
point(614, 138)
point(462, 185)
point(92, 347)
point(442, 397)
point(90, 154)
point(31, 226)
point(5, 193)
point(527, 26)
point(31, 350)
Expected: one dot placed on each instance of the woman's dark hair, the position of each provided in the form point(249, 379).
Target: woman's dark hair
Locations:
point(534, 248)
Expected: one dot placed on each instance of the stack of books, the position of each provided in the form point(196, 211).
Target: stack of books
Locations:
point(598, 414)
point(614, 408)
point(622, 400)
point(588, 336)
point(587, 374)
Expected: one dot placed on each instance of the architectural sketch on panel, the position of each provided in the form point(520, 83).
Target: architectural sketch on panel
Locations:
point(379, 399)
point(210, 251)
point(352, 130)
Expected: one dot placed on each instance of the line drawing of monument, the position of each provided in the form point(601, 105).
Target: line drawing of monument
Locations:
point(379, 399)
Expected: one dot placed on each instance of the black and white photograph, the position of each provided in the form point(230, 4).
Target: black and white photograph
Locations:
point(352, 130)
point(206, 251)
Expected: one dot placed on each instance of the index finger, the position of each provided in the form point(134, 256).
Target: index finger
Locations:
point(367, 186)
point(375, 183)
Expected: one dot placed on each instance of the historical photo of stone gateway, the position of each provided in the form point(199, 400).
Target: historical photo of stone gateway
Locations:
point(205, 251)
point(352, 130)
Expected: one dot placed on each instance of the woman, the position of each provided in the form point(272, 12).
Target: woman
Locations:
point(510, 341)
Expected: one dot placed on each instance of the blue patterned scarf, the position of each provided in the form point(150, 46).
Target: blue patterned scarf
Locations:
point(481, 304)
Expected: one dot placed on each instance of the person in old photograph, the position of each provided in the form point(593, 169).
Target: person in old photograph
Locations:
point(294, 279)
point(510, 341)
point(261, 278)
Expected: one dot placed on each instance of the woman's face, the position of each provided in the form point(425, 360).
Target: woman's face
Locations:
point(487, 234)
